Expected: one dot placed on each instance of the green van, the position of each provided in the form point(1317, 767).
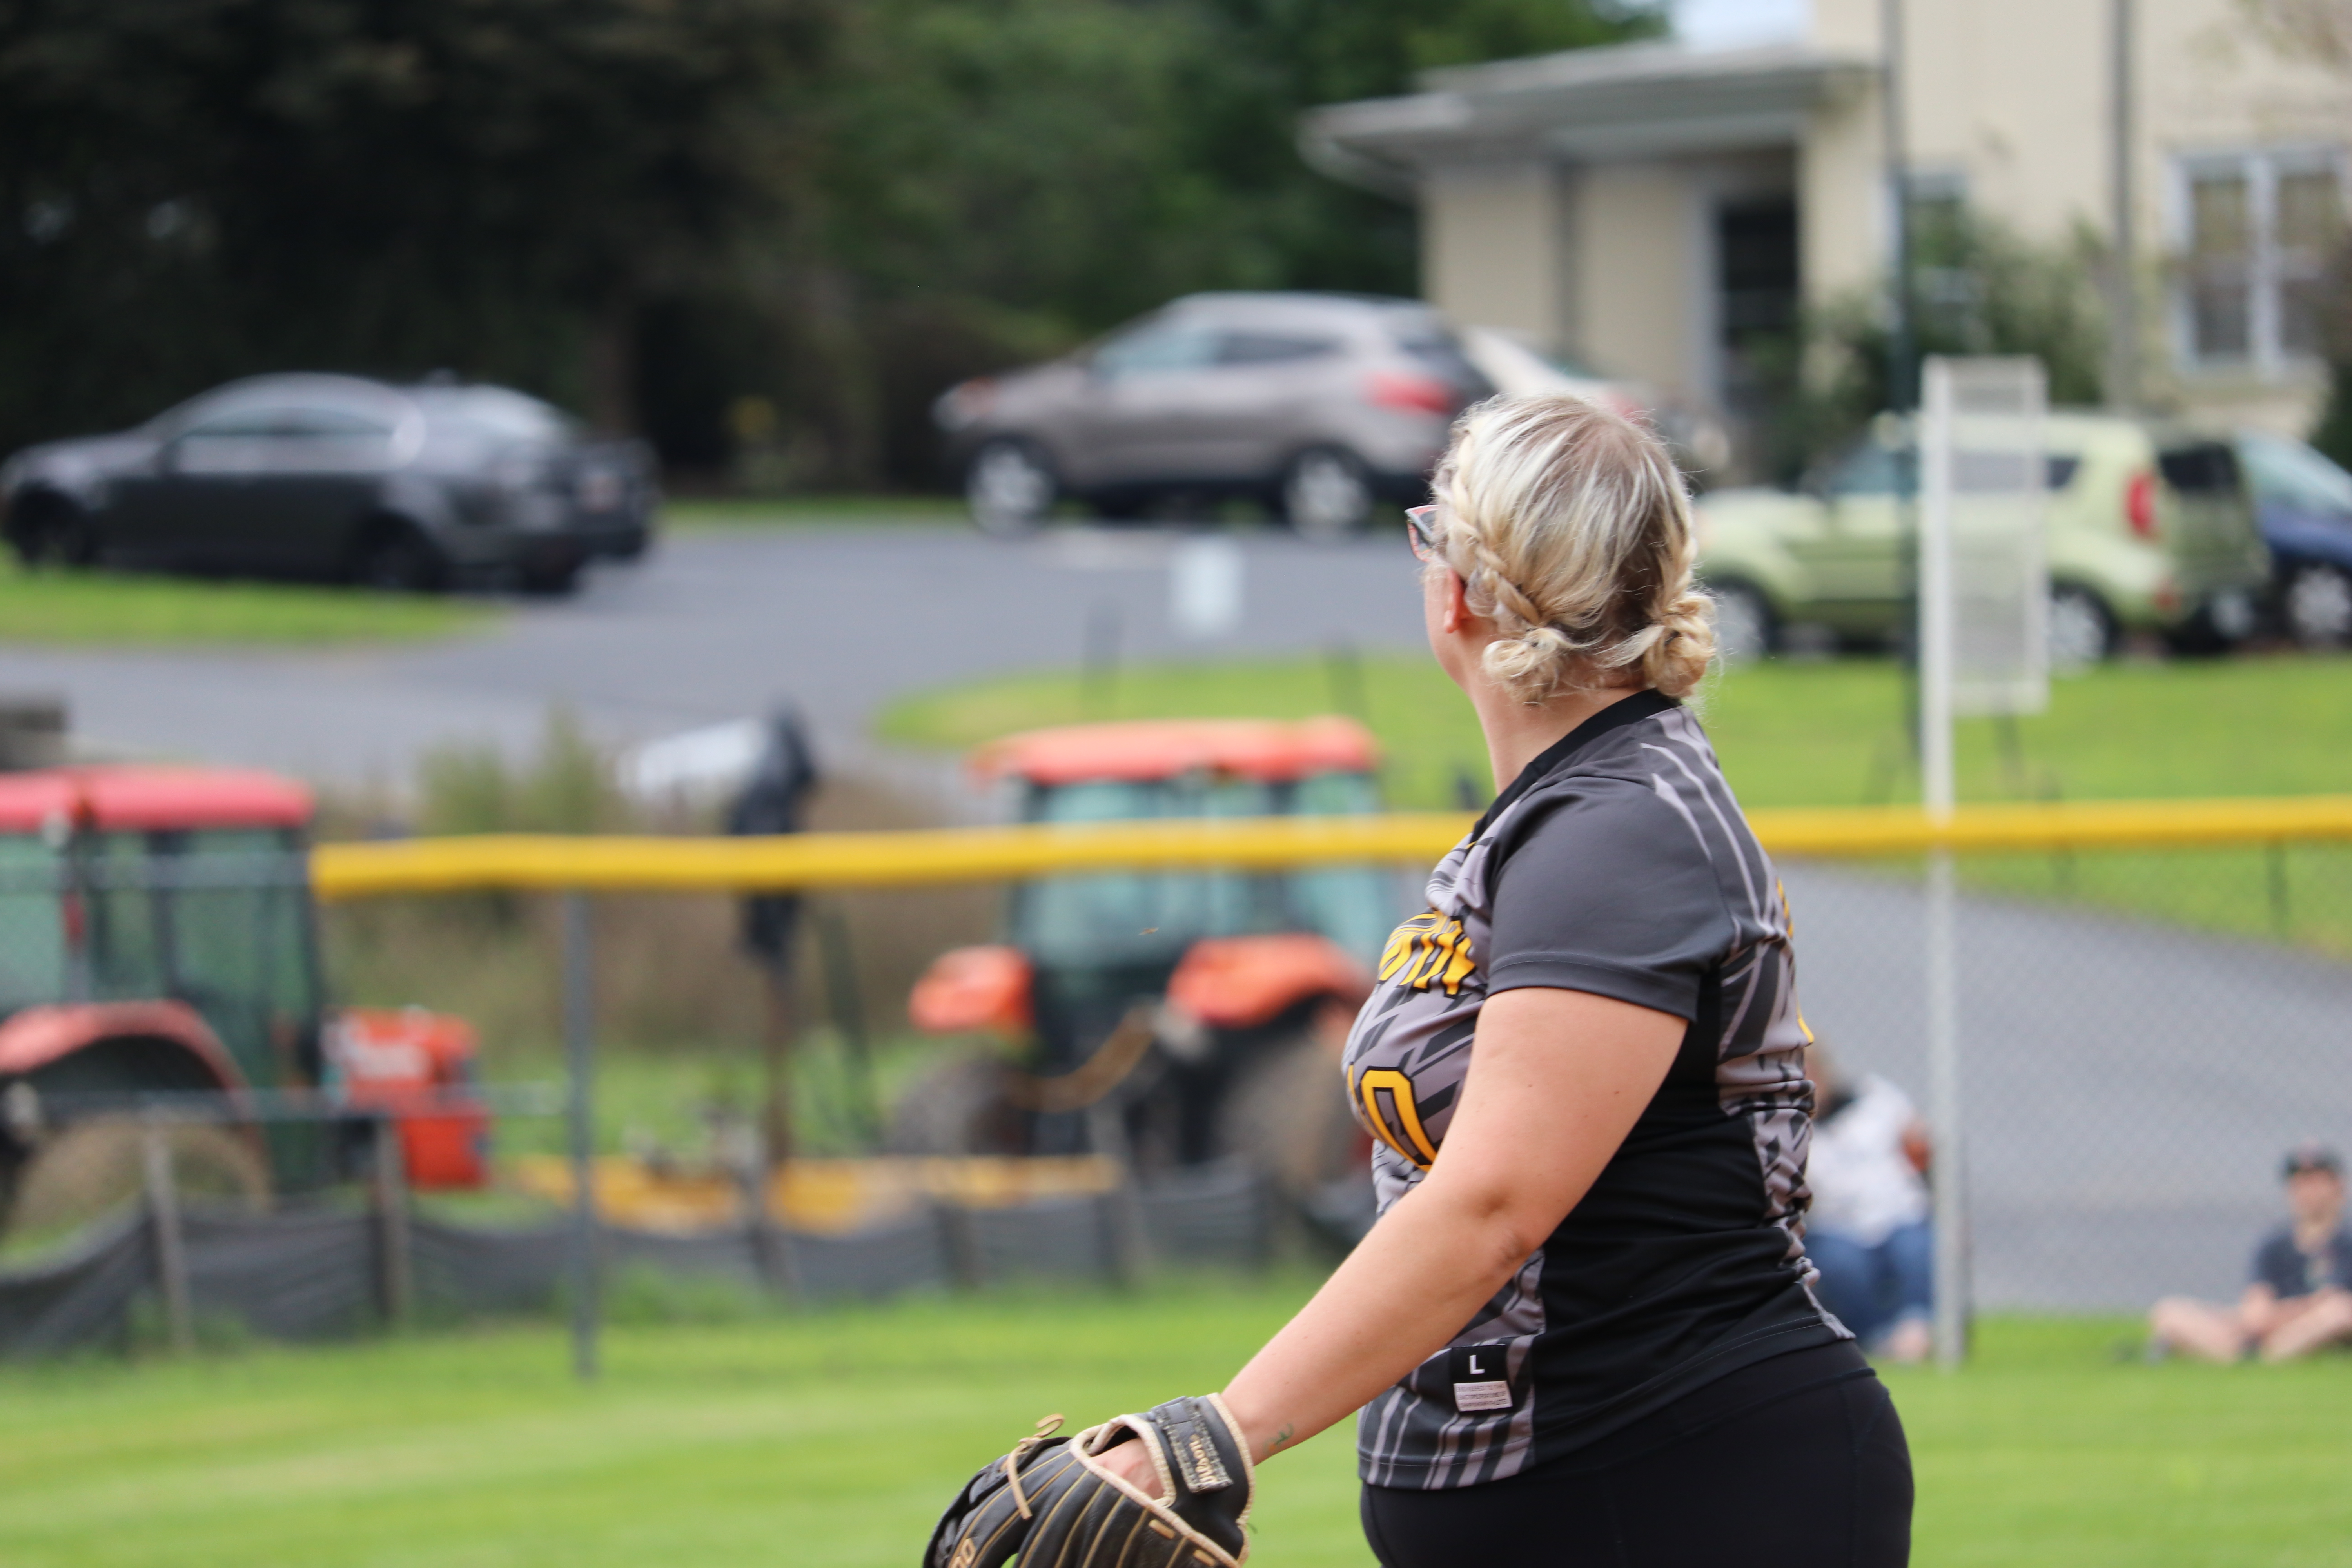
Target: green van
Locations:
point(2150, 529)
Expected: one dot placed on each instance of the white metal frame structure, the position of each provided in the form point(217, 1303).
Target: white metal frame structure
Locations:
point(1983, 597)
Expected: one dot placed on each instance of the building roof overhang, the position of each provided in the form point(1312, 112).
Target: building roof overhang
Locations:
point(1632, 100)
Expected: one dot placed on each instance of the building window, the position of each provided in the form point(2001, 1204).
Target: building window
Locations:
point(2257, 230)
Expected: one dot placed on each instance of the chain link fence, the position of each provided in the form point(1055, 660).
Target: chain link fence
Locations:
point(2142, 1034)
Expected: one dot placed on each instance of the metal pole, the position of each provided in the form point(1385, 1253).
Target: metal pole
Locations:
point(1902, 333)
point(397, 1275)
point(2123, 285)
point(1902, 347)
point(170, 1241)
point(580, 1053)
point(1937, 629)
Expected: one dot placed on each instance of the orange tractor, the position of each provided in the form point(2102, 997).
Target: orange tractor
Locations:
point(158, 956)
point(1174, 1018)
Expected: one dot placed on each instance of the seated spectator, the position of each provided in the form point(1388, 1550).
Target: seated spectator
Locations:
point(1867, 1231)
point(2300, 1298)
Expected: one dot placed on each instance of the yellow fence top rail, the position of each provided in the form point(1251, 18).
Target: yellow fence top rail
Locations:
point(928, 856)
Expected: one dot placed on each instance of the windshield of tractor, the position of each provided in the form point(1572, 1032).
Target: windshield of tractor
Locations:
point(218, 918)
point(1144, 917)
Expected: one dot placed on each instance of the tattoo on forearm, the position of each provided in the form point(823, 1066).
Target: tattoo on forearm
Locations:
point(1281, 1438)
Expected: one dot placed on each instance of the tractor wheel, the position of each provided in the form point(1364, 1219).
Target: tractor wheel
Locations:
point(963, 1106)
point(88, 1170)
point(1286, 1114)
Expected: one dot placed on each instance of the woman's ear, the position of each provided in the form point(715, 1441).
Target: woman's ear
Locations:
point(1456, 609)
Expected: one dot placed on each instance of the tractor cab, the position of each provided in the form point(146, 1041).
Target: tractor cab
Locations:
point(1207, 1007)
point(158, 941)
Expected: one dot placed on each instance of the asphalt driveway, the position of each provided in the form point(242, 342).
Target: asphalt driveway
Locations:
point(715, 627)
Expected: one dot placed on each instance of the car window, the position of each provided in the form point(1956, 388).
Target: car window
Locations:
point(496, 411)
point(1871, 469)
point(237, 425)
point(317, 422)
point(1273, 348)
point(1156, 349)
point(1439, 352)
point(2293, 475)
point(285, 423)
point(2200, 467)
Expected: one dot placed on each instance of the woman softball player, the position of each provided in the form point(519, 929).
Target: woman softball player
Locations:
point(1584, 1328)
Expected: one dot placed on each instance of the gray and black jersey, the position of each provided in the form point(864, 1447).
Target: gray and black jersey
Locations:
point(1617, 863)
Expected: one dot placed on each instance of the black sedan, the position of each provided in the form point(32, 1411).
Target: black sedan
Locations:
point(401, 488)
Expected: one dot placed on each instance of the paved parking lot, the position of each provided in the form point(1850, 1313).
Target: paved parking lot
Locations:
point(717, 626)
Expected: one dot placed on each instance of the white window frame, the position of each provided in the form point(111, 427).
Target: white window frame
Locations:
point(2266, 356)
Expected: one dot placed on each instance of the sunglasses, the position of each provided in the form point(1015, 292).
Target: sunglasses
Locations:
point(1421, 533)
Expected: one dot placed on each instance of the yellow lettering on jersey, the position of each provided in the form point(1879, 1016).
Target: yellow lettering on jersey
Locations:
point(1429, 950)
point(1403, 941)
point(1458, 966)
point(1399, 1127)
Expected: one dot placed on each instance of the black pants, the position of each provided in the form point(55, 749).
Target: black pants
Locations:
point(1795, 1462)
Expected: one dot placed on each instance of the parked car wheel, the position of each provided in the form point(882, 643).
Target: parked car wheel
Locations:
point(1327, 494)
point(48, 528)
point(1010, 487)
point(2082, 630)
point(1745, 627)
point(394, 558)
point(2317, 603)
point(551, 580)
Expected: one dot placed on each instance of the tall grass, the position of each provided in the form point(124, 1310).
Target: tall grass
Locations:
point(682, 1011)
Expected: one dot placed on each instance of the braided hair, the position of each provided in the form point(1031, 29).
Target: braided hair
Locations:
point(1571, 530)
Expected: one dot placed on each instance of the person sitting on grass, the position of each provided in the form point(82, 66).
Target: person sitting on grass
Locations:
point(1867, 1231)
point(2300, 1299)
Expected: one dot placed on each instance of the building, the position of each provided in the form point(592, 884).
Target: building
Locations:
point(1650, 205)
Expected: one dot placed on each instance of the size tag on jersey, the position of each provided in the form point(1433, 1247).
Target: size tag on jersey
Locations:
point(1481, 1376)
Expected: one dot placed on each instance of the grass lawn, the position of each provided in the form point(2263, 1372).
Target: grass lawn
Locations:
point(1832, 733)
point(121, 609)
point(1827, 733)
point(718, 514)
point(830, 1440)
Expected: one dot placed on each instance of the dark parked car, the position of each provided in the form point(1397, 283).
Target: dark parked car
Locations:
point(407, 487)
point(2305, 504)
point(1320, 404)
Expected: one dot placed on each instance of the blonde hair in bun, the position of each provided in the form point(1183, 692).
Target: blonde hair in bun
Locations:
point(1571, 530)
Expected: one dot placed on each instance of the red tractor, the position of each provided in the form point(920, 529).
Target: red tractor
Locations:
point(159, 950)
point(1175, 1017)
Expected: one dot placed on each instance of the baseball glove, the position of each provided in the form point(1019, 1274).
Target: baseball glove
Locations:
point(1052, 1503)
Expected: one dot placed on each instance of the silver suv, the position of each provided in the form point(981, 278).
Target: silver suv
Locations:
point(1320, 405)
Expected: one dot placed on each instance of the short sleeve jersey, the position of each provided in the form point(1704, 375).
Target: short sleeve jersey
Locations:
point(2289, 1270)
point(1617, 864)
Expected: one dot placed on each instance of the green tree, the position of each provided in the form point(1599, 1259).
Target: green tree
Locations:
point(1008, 178)
point(209, 186)
point(659, 210)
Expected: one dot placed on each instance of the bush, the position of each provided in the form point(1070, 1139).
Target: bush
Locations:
point(1977, 288)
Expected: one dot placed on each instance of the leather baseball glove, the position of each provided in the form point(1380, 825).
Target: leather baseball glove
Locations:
point(1052, 1503)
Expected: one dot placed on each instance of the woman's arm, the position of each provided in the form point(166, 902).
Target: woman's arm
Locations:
point(1556, 1081)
